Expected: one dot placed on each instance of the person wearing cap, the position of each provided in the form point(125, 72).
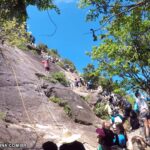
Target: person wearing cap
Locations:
point(144, 114)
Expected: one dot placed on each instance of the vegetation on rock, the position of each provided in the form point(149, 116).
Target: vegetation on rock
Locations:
point(60, 77)
point(61, 103)
point(100, 110)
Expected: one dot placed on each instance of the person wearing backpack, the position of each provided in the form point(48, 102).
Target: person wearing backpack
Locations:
point(134, 121)
point(144, 114)
point(127, 107)
point(121, 136)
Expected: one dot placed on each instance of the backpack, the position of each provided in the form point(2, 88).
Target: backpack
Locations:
point(136, 107)
point(127, 105)
point(134, 121)
point(117, 139)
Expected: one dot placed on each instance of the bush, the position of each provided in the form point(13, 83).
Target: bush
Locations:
point(61, 78)
point(67, 110)
point(53, 53)
point(2, 115)
point(55, 100)
point(61, 64)
point(131, 100)
point(100, 111)
point(50, 79)
point(60, 102)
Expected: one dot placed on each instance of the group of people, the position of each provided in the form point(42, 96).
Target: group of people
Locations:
point(47, 59)
point(112, 135)
point(81, 82)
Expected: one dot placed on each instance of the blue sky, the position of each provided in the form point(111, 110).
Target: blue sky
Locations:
point(70, 39)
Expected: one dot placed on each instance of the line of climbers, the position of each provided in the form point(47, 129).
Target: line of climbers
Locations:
point(47, 59)
point(113, 135)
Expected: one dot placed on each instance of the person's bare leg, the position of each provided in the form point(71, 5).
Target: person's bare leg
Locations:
point(146, 128)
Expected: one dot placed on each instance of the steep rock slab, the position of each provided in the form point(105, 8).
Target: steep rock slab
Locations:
point(81, 112)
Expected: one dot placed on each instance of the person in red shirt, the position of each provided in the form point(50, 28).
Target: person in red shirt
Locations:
point(46, 65)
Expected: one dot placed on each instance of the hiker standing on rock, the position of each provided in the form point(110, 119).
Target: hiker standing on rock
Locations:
point(45, 61)
point(144, 114)
point(46, 65)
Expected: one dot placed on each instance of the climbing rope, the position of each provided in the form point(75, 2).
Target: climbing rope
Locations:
point(22, 100)
point(42, 95)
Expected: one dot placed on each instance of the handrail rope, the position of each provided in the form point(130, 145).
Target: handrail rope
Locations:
point(43, 99)
point(42, 94)
point(22, 100)
point(48, 108)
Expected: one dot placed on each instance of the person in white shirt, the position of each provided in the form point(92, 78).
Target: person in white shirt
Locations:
point(144, 114)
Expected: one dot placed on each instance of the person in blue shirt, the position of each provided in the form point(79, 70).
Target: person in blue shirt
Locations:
point(114, 115)
point(121, 135)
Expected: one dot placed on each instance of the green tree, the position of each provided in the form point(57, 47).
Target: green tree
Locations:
point(89, 73)
point(124, 50)
point(18, 8)
point(13, 19)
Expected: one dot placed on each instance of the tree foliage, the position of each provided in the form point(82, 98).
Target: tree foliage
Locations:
point(124, 50)
point(13, 18)
point(90, 75)
point(17, 8)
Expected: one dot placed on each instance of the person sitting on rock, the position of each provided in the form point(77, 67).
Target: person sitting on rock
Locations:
point(49, 146)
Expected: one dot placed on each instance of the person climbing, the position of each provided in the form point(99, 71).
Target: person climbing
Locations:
point(46, 65)
point(144, 114)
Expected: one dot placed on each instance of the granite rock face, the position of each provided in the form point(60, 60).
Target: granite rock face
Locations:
point(24, 102)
